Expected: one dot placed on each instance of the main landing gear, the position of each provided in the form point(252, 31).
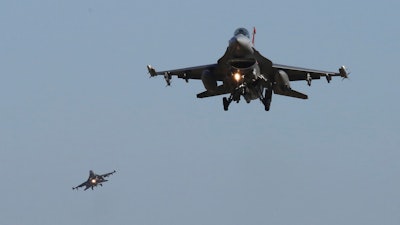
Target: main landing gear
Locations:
point(226, 102)
point(235, 96)
point(266, 100)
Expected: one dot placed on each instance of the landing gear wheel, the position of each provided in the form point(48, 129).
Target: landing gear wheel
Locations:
point(267, 99)
point(267, 104)
point(226, 103)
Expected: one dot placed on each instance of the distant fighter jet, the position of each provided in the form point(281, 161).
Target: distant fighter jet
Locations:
point(94, 180)
point(243, 71)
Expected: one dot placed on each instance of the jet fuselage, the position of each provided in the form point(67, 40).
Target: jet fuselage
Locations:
point(244, 77)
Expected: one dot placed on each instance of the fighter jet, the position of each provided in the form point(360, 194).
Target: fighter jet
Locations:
point(93, 180)
point(243, 72)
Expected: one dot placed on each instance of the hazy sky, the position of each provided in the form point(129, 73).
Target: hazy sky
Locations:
point(75, 95)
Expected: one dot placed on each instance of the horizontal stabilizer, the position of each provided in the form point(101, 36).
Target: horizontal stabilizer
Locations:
point(291, 93)
point(221, 90)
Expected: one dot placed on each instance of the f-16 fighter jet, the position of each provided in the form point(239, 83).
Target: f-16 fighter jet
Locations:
point(93, 180)
point(243, 72)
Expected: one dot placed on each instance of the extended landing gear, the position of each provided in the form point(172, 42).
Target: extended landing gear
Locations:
point(266, 100)
point(226, 102)
point(267, 104)
point(235, 96)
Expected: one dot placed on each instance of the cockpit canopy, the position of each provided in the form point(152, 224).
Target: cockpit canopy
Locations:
point(242, 31)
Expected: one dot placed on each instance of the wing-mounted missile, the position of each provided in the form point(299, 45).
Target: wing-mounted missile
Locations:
point(308, 79)
point(151, 70)
point(328, 77)
point(167, 77)
point(185, 76)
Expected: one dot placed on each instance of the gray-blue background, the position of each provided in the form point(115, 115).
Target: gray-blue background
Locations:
point(75, 95)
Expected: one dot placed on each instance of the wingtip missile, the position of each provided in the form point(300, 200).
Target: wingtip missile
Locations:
point(343, 72)
point(151, 70)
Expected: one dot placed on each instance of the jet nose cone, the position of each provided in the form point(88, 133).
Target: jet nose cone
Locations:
point(241, 45)
point(239, 40)
point(242, 40)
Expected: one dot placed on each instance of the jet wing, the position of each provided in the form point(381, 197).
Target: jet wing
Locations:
point(298, 73)
point(79, 186)
point(185, 73)
point(108, 174)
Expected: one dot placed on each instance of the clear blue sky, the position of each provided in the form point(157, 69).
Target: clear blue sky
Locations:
point(75, 95)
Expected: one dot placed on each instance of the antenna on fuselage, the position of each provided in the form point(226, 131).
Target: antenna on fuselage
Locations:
point(254, 35)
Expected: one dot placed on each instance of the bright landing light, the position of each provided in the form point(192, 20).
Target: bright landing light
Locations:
point(237, 76)
point(93, 181)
